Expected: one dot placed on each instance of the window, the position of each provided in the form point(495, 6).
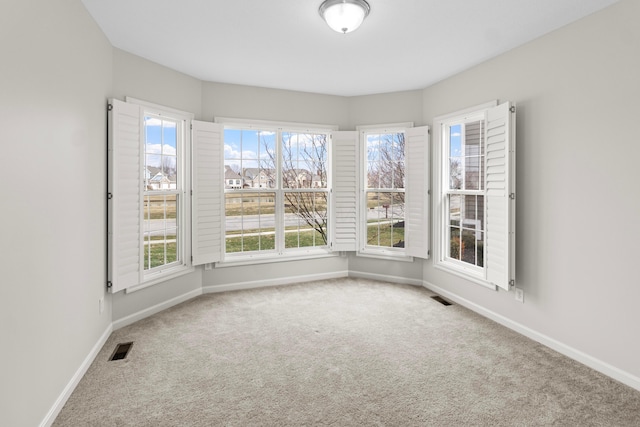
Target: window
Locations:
point(149, 209)
point(384, 191)
point(281, 208)
point(394, 176)
point(474, 194)
point(161, 193)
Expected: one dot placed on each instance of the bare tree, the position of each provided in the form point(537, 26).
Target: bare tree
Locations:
point(386, 171)
point(304, 166)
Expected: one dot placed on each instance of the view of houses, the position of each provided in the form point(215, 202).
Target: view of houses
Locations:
point(157, 179)
point(265, 178)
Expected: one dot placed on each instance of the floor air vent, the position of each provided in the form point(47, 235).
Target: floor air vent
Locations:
point(441, 300)
point(121, 351)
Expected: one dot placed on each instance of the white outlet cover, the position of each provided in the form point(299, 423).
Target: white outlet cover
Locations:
point(519, 295)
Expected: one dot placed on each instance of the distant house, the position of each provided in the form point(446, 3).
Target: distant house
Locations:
point(302, 178)
point(232, 179)
point(258, 178)
point(156, 179)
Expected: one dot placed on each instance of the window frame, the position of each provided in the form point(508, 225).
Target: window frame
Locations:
point(183, 263)
point(372, 251)
point(478, 275)
point(132, 276)
point(280, 252)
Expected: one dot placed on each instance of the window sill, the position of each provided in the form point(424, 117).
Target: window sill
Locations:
point(384, 254)
point(464, 273)
point(169, 274)
point(236, 261)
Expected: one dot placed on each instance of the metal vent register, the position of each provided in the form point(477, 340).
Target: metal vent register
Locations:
point(441, 300)
point(121, 351)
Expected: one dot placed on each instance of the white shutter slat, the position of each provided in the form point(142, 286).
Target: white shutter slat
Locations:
point(125, 184)
point(416, 196)
point(500, 182)
point(344, 206)
point(208, 192)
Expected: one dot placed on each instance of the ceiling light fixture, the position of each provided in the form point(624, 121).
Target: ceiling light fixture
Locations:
point(344, 16)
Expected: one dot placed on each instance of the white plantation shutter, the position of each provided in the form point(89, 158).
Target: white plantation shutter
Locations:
point(416, 196)
point(344, 206)
point(500, 184)
point(124, 186)
point(208, 190)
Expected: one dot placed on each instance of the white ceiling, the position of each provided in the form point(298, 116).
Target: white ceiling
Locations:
point(284, 44)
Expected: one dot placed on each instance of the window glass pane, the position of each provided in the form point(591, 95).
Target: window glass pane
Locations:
point(466, 228)
point(249, 158)
point(385, 160)
point(384, 215)
point(454, 242)
point(456, 166)
point(474, 158)
point(385, 219)
point(305, 219)
point(455, 207)
point(160, 230)
point(304, 160)
point(249, 221)
point(160, 153)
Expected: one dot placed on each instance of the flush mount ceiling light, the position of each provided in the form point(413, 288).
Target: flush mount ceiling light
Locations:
point(344, 16)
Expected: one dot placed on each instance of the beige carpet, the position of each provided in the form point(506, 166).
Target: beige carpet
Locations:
point(348, 352)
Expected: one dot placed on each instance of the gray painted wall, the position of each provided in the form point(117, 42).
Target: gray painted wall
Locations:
point(145, 80)
point(55, 80)
point(578, 220)
point(248, 102)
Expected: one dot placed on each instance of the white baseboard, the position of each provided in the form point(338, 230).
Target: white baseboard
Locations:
point(577, 355)
point(66, 393)
point(254, 284)
point(132, 318)
point(386, 278)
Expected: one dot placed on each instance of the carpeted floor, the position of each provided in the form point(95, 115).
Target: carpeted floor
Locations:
point(345, 352)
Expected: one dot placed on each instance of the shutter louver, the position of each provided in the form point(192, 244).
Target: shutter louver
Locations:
point(417, 185)
point(500, 168)
point(207, 192)
point(124, 185)
point(344, 206)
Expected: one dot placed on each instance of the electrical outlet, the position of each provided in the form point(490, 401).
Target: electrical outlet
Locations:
point(519, 295)
point(101, 304)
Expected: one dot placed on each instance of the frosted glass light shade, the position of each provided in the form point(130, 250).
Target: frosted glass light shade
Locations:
point(344, 16)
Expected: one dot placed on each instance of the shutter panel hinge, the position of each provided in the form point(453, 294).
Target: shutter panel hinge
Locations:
point(512, 196)
point(512, 109)
point(109, 196)
point(429, 192)
point(191, 192)
point(512, 282)
point(109, 107)
point(109, 284)
point(429, 252)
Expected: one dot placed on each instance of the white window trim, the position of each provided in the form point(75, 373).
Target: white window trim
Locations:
point(365, 251)
point(276, 255)
point(149, 278)
point(474, 274)
point(161, 274)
